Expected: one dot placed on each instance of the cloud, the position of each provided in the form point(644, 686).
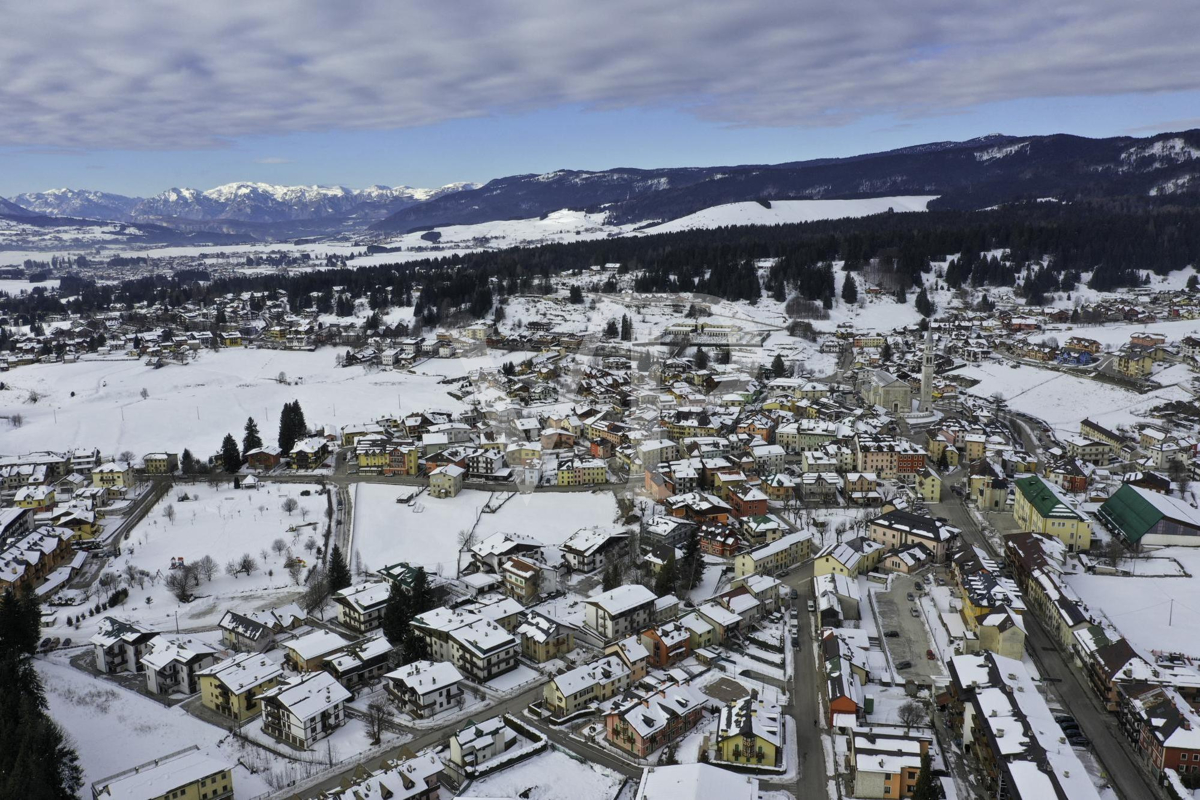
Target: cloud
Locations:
point(272, 160)
point(169, 74)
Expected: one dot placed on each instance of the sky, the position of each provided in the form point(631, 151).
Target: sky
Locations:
point(138, 98)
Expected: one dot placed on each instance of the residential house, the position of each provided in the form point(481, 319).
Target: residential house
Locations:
point(781, 554)
point(543, 639)
point(172, 664)
point(750, 731)
point(589, 548)
point(120, 646)
point(303, 710)
point(642, 725)
point(446, 481)
point(423, 689)
point(1042, 508)
point(308, 653)
point(619, 612)
point(231, 687)
point(360, 607)
point(900, 528)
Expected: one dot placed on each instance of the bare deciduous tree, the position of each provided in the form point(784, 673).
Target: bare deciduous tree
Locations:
point(207, 566)
point(316, 596)
point(279, 546)
point(379, 714)
point(310, 544)
point(144, 393)
point(911, 714)
point(294, 570)
point(169, 513)
point(290, 505)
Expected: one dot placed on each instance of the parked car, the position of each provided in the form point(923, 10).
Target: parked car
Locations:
point(892, 634)
point(795, 595)
point(913, 610)
point(903, 665)
point(911, 597)
point(812, 606)
point(1079, 741)
point(45, 645)
point(67, 642)
point(1061, 718)
point(929, 655)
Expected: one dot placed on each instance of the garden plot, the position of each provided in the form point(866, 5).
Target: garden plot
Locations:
point(114, 729)
point(426, 531)
point(1153, 613)
point(225, 524)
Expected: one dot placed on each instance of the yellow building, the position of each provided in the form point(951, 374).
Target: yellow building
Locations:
point(1003, 633)
point(929, 486)
point(373, 459)
point(403, 460)
point(1041, 508)
point(113, 475)
point(1135, 362)
point(582, 472)
point(783, 553)
point(857, 556)
point(231, 688)
point(185, 775)
point(543, 638)
point(750, 731)
point(231, 339)
point(161, 463)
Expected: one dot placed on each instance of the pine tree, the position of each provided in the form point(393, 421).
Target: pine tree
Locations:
point(397, 615)
point(925, 788)
point(701, 358)
point(850, 291)
point(610, 330)
point(414, 648)
point(187, 462)
point(612, 577)
point(339, 572)
point(231, 459)
point(421, 594)
point(626, 328)
point(885, 352)
point(664, 582)
point(251, 440)
point(576, 295)
point(778, 368)
point(924, 304)
point(901, 296)
point(693, 561)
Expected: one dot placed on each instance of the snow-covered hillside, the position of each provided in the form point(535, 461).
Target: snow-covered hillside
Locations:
point(785, 211)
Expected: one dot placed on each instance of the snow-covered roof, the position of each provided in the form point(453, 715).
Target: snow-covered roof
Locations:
point(317, 643)
point(622, 599)
point(695, 782)
point(159, 777)
point(425, 676)
point(306, 696)
point(244, 671)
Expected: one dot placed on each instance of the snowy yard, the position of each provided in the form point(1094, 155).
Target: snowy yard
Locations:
point(1153, 613)
point(426, 531)
point(99, 403)
point(223, 523)
point(1057, 397)
point(548, 776)
point(114, 729)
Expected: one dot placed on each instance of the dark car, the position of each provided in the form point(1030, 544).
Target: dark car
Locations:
point(66, 642)
point(903, 665)
point(45, 645)
point(1079, 741)
point(911, 597)
point(1061, 718)
point(892, 634)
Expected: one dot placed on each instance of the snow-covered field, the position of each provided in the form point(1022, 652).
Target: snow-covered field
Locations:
point(14, 287)
point(426, 532)
point(194, 405)
point(1063, 400)
point(114, 729)
point(223, 523)
point(786, 211)
point(551, 775)
point(1155, 613)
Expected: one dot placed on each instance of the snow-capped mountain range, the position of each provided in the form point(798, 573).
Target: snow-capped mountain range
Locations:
point(259, 203)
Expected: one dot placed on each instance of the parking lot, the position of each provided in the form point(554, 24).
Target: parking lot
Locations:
point(913, 640)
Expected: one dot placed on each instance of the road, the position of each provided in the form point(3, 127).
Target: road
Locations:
point(514, 705)
point(1114, 751)
point(805, 696)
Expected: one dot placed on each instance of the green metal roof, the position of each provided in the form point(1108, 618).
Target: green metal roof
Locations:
point(1044, 499)
point(1129, 513)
